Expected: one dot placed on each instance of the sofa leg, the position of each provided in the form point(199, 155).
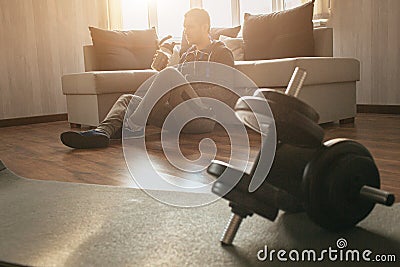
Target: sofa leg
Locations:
point(75, 125)
point(345, 121)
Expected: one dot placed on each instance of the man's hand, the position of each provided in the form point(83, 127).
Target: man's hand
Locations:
point(163, 54)
point(160, 60)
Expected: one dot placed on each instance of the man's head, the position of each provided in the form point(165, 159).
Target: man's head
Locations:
point(196, 25)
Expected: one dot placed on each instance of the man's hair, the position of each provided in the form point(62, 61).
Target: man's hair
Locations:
point(200, 15)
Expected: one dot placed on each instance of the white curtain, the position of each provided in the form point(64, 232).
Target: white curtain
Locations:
point(321, 9)
point(114, 14)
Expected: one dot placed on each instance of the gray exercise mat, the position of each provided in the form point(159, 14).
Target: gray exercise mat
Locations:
point(45, 223)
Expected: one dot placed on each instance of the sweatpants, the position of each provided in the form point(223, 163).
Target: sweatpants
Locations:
point(159, 110)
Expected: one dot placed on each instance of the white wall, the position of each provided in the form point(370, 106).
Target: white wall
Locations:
point(40, 40)
point(369, 31)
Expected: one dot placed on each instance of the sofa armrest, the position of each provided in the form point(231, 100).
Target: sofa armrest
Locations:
point(104, 82)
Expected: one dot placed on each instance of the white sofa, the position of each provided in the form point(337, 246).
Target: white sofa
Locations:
point(330, 86)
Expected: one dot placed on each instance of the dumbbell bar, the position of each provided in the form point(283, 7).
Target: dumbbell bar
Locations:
point(377, 196)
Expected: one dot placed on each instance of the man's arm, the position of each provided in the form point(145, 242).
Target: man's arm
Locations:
point(224, 56)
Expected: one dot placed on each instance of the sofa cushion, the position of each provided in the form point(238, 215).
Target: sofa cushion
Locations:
point(265, 73)
point(124, 50)
point(215, 33)
point(104, 82)
point(323, 44)
point(235, 45)
point(233, 32)
point(320, 70)
point(282, 34)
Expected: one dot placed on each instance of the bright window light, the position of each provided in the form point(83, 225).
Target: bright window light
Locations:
point(134, 14)
point(170, 16)
point(220, 12)
point(293, 3)
point(254, 7)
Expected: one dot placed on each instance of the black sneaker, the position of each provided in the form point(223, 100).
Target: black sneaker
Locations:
point(87, 139)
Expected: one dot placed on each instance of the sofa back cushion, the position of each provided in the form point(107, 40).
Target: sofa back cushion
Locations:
point(124, 50)
point(282, 34)
point(235, 45)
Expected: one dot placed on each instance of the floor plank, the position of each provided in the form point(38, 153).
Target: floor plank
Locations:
point(35, 151)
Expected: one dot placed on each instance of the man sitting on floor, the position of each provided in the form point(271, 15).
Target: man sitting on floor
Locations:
point(196, 30)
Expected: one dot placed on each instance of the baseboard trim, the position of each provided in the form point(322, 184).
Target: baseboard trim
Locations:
point(33, 120)
point(379, 109)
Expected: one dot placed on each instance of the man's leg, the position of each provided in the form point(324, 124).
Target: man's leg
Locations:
point(160, 99)
point(165, 80)
point(109, 127)
point(166, 100)
point(112, 124)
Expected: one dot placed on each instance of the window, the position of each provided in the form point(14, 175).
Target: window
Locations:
point(134, 14)
point(170, 17)
point(321, 8)
point(288, 4)
point(220, 12)
point(167, 15)
point(249, 6)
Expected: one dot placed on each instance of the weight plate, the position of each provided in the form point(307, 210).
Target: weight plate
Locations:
point(290, 102)
point(294, 128)
point(262, 201)
point(254, 113)
point(332, 181)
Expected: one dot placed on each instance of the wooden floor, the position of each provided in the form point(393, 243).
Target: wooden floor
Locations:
point(35, 151)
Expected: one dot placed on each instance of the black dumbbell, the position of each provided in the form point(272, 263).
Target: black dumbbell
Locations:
point(336, 182)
